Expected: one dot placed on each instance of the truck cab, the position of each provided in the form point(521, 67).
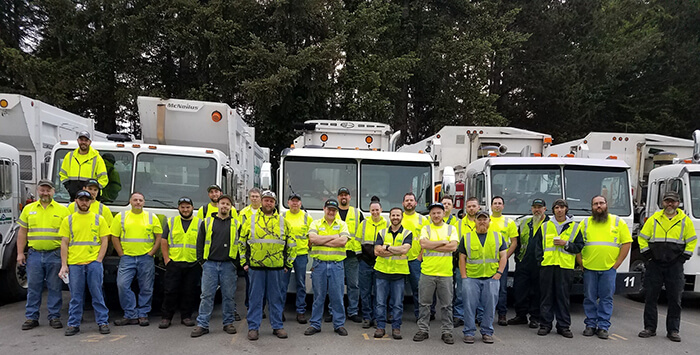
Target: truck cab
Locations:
point(13, 278)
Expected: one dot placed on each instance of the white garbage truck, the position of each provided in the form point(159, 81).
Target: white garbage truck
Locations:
point(13, 278)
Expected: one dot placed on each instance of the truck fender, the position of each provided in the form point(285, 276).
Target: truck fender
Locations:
point(8, 243)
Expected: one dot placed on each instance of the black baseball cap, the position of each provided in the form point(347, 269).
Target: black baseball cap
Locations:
point(539, 201)
point(332, 203)
point(229, 198)
point(436, 205)
point(482, 214)
point(92, 182)
point(672, 195)
point(294, 195)
point(83, 194)
point(343, 190)
point(214, 186)
point(184, 200)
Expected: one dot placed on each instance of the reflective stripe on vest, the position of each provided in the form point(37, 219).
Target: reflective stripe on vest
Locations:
point(306, 223)
point(72, 241)
point(136, 240)
point(614, 243)
point(468, 243)
point(171, 237)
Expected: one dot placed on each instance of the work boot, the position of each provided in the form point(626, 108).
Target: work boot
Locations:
point(199, 331)
point(341, 331)
point(432, 316)
point(565, 332)
point(647, 333)
point(458, 322)
point(469, 339)
point(502, 320)
point(280, 333)
point(230, 329)
point(533, 324)
point(253, 334)
point(488, 339)
point(143, 321)
point(301, 318)
point(30, 324)
point(236, 316)
point(164, 323)
point(328, 318)
point(589, 332)
point(311, 331)
point(366, 323)
point(104, 329)
point(55, 323)
point(126, 321)
point(379, 333)
point(396, 334)
point(72, 331)
point(602, 333)
point(543, 331)
point(674, 336)
point(517, 320)
point(448, 338)
point(188, 322)
point(355, 318)
point(420, 336)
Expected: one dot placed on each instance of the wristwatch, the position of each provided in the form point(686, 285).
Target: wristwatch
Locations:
point(500, 272)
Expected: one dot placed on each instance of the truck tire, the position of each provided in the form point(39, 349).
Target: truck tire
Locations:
point(13, 280)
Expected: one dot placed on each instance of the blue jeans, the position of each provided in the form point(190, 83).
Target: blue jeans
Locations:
point(215, 274)
point(477, 292)
point(143, 268)
point(92, 274)
point(413, 280)
point(327, 279)
point(43, 266)
point(394, 291)
point(299, 281)
point(502, 305)
point(352, 269)
point(598, 291)
point(367, 283)
point(265, 284)
point(457, 301)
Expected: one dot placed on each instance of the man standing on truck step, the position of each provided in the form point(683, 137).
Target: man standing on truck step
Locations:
point(267, 254)
point(85, 237)
point(39, 225)
point(217, 248)
point(526, 282)
point(667, 241)
point(327, 239)
point(482, 262)
point(82, 164)
point(299, 222)
point(557, 256)
point(466, 225)
point(136, 238)
point(366, 235)
point(607, 241)
point(413, 222)
point(182, 271)
point(214, 191)
point(438, 240)
point(96, 207)
point(391, 247)
point(509, 231)
point(352, 217)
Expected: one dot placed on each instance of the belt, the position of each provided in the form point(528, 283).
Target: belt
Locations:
point(44, 251)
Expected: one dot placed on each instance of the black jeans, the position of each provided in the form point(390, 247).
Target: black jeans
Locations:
point(526, 284)
point(672, 277)
point(182, 288)
point(555, 288)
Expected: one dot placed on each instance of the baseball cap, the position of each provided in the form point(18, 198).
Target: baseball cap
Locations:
point(672, 195)
point(268, 193)
point(92, 182)
point(83, 194)
point(45, 182)
point(85, 134)
point(482, 214)
point(343, 190)
point(539, 201)
point(214, 186)
point(185, 200)
point(436, 204)
point(560, 202)
point(226, 197)
point(294, 195)
point(332, 203)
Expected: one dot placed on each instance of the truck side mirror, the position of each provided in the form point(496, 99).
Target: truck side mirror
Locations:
point(448, 181)
point(266, 176)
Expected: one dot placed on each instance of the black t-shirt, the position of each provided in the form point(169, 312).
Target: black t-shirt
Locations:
point(380, 241)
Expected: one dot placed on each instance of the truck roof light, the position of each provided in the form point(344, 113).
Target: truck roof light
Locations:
point(136, 145)
point(3, 103)
point(369, 139)
point(481, 132)
point(324, 137)
point(547, 140)
point(585, 141)
point(614, 138)
point(338, 147)
point(120, 145)
point(64, 143)
point(619, 138)
point(627, 138)
point(438, 136)
point(554, 155)
point(151, 147)
point(569, 155)
point(209, 151)
point(469, 132)
point(374, 149)
point(613, 157)
point(357, 148)
point(216, 116)
point(493, 154)
point(421, 152)
point(291, 146)
point(688, 161)
point(536, 154)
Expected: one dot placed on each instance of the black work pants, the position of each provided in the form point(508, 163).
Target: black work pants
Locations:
point(655, 276)
point(182, 288)
point(526, 284)
point(555, 288)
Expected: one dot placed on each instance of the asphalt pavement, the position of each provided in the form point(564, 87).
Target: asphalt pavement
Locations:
point(626, 323)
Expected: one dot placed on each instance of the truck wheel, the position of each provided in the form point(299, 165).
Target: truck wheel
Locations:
point(638, 265)
point(13, 280)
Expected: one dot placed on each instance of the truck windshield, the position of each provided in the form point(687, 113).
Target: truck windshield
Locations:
point(520, 185)
point(119, 166)
point(390, 181)
point(695, 194)
point(317, 180)
point(582, 183)
point(163, 179)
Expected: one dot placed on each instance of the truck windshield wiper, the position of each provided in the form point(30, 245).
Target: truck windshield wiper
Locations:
point(587, 210)
point(167, 204)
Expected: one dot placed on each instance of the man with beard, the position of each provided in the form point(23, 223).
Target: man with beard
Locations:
point(182, 272)
point(39, 225)
point(217, 248)
point(557, 257)
point(509, 231)
point(367, 233)
point(213, 191)
point(526, 282)
point(96, 207)
point(268, 252)
point(391, 266)
point(136, 238)
point(85, 237)
point(607, 241)
point(82, 164)
point(667, 240)
point(413, 222)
